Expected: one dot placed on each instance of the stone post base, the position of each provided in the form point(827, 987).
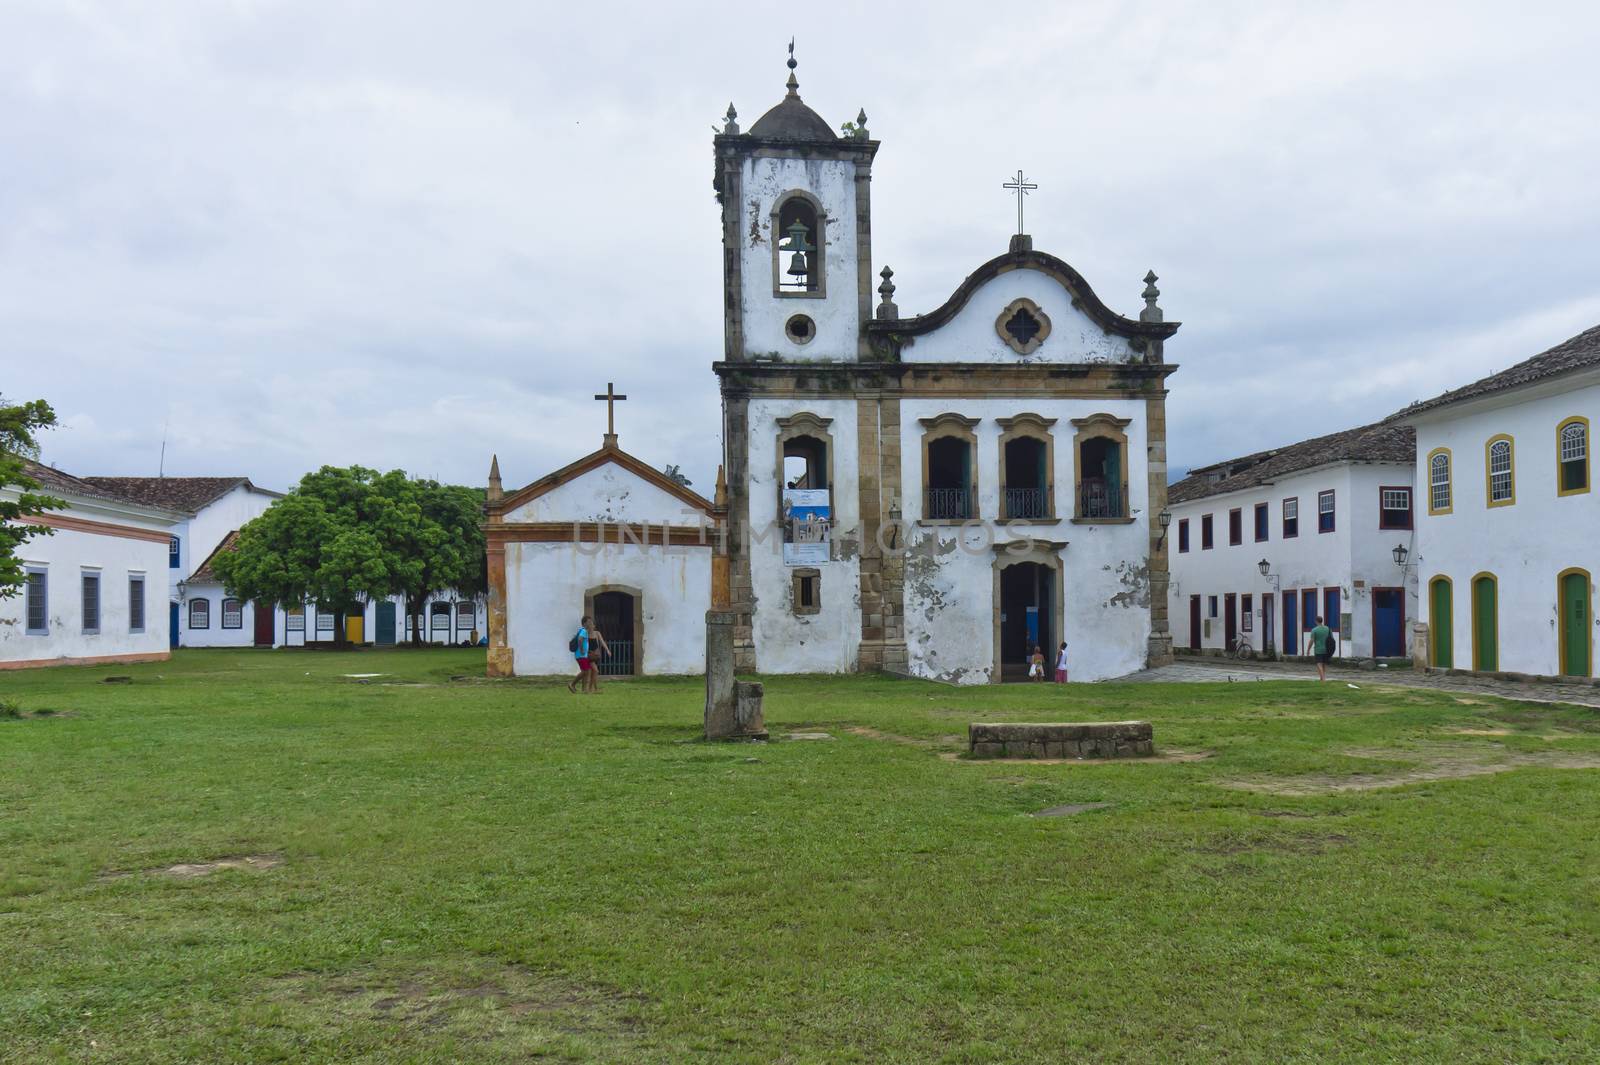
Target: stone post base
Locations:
point(733, 710)
point(500, 662)
point(1158, 650)
point(1419, 646)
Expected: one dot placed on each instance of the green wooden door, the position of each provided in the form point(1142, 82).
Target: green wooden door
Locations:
point(1485, 625)
point(1439, 618)
point(1575, 622)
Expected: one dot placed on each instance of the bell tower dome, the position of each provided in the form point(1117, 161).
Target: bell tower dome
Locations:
point(796, 233)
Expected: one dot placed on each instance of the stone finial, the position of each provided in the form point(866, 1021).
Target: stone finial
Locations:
point(1151, 312)
point(794, 86)
point(730, 126)
point(720, 499)
point(886, 307)
point(495, 491)
point(861, 125)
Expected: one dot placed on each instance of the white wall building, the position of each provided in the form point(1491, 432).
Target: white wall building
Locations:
point(936, 493)
point(1326, 515)
point(606, 536)
point(199, 612)
point(95, 588)
point(1509, 529)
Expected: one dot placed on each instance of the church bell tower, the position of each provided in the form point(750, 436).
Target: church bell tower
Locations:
point(796, 234)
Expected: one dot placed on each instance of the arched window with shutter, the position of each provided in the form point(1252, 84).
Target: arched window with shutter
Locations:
point(1572, 457)
point(1500, 465)
point(1439, 488)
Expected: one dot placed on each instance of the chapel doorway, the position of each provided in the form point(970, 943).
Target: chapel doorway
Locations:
point(1027, 617)
point(616, 614)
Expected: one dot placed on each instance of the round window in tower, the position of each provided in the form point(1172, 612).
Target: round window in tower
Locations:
point(800, 329)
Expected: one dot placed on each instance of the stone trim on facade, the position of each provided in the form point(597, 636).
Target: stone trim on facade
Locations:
point(1046, 553)
point(98, 528)
point(1039, 428)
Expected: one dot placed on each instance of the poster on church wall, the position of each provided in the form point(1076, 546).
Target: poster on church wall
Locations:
point(807, 526)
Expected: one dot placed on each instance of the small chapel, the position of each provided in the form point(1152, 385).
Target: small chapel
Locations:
point(932, 494)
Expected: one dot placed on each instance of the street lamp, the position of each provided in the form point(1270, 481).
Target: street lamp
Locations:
point(1400, 555)
point(1266, 571)
point(1163, 519)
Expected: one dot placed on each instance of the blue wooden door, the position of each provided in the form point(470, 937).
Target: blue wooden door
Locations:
point(1291, 624)
point(172, 624)
point(384, 620)
point(1388, 623)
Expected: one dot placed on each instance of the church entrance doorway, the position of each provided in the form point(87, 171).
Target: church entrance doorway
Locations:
point(1027, 617)
point(617, 614)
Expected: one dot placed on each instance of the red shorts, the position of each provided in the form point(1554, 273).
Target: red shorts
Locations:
point(584, 665)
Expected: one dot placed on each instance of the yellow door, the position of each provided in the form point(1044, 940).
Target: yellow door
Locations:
point(355, 629)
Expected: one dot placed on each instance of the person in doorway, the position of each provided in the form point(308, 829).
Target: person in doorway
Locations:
point(1319, 642)
point(1036, 664)
point(580, 651)
point(1061, 664)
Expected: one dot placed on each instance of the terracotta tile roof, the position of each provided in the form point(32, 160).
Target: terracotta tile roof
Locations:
point(1581, 352)
point(204, 574)
point(1382, 442)
point(56, 482)
point(173, 493)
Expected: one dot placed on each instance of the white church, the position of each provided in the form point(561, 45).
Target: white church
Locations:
point(932, 494)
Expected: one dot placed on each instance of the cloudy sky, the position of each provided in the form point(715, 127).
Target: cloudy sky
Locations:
point(413, 233)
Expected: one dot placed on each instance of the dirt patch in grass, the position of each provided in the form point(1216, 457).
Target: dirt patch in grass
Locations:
point(475, 999)
point(1312, 843)
point(194, 870)
point(1435, 762)
point(906, 741)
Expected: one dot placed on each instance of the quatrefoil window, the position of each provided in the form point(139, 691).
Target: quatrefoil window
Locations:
point(1023, 326)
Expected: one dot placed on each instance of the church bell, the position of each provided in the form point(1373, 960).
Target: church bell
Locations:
point(798, 269)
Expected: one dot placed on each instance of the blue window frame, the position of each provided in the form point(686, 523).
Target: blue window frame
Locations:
point(174, 551)
point(1308, 609)
point(135, 602)
point(1262, 518)
point(1325, 511)
point(38, 601)
point(91, 602)
point(1330, 607)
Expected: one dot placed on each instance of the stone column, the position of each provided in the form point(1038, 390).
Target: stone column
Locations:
point(733, 707)
point(1159, 649)
point(501, 657)
point(1419, 646)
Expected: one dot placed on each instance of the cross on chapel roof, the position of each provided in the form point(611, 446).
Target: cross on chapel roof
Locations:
point(611, 397)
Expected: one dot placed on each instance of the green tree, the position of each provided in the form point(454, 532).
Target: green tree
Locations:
point(347, 536)
point(18, 444)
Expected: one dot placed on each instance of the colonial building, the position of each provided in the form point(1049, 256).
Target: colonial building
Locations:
point(1265, 544)
point(200, 612)
point(931, 493)
point(1507, 527)
point(94, 588)
point(608, 536)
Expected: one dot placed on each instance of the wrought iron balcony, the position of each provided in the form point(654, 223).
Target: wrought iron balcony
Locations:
point(1027, 503)
point(1099, 498)
point(948, 504)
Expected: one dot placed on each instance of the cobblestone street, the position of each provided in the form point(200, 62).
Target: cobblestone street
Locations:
point(1221, 670)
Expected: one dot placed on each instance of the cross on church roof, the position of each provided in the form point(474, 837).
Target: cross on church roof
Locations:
point(1021, 188)
point(611, 398)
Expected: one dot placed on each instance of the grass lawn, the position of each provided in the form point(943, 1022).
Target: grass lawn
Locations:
point(471, 871)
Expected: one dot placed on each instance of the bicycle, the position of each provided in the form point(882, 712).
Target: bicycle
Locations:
point(1241, 649)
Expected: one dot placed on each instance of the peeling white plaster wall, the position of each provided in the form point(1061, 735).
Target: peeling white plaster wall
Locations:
point(838, 316)
point(971, 335)
point(950, 590)
point(545, 587)
point(828, 641)
point(608, 493)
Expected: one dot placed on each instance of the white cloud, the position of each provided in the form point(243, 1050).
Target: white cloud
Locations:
point(407, 235)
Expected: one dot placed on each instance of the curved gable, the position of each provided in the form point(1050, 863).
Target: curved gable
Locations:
point(1079, 327)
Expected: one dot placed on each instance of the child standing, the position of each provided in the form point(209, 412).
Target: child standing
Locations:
point(1036, 664)
point(1061, 664)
